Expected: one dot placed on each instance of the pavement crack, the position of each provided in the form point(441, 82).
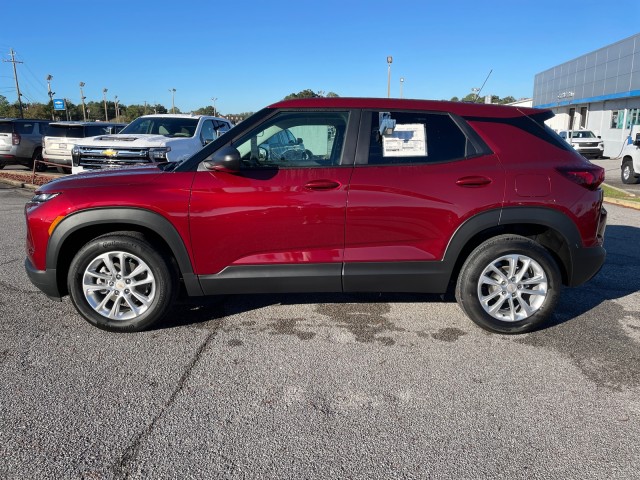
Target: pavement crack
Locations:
point(122, 468)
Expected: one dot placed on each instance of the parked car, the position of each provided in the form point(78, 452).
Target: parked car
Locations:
point(399, 196)
point(149, 139)
point(586, 143)
point(62, 136)
point(21, 142)
point(630, 165)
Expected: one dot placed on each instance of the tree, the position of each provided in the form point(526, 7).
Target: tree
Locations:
point(308, 93)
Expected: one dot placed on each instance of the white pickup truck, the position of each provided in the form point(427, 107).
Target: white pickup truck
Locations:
point(630, 166)
point(149, 139)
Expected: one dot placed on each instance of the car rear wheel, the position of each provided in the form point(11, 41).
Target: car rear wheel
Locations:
point(120, 282)
point(37, 160)
point(627, 174)
point(509, 284)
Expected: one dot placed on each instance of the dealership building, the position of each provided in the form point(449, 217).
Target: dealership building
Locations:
point(599, 91)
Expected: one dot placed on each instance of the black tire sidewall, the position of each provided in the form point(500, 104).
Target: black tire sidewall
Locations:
point(165, 283)
point(486, 253)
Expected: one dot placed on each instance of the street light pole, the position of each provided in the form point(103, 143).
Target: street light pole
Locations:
point(389, 60)
point(401, 83)
point(104, 97)
point(82, 97)
point(115, 103)
point(173, 94)
point(213, 99)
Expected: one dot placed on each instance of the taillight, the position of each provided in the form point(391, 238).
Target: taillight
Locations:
point(15, 138)
point(587, 176)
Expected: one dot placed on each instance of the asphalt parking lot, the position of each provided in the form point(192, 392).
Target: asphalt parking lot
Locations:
point(321, 386)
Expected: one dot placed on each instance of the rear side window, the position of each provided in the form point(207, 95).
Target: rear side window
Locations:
point(416, 138)
point(25, 128)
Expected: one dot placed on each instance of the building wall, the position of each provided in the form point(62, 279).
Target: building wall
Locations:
point(602, 88)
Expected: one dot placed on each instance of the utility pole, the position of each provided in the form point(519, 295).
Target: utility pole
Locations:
point(82, 97)
point(116, 106)
point(145, 107)
point(51, 94)
point(15, 76)
point(214, 105)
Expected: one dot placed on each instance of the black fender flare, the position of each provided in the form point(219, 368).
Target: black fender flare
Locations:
point(125, 215)
point(544, 216)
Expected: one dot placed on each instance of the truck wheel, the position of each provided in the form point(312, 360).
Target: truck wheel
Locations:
point(37, 157)
point(509, 284)
point(120, 282)
point(627, 174)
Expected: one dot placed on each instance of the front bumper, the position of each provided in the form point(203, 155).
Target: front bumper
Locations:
point(45, 280)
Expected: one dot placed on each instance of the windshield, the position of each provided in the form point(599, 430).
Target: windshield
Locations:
point(583, 134)
point(169, 127)
point(6, 128)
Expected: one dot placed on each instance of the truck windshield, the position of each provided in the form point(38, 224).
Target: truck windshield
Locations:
point(169, 127)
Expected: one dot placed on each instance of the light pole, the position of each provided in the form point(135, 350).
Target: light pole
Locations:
point(173, 95)
point(82, 97)
point(401, 83)
point(115, 103)
point(51, 94)
point(213, 99)
point(104, 97)
point(389, 60)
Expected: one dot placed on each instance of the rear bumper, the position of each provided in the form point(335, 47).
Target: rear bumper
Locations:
point(45, 280)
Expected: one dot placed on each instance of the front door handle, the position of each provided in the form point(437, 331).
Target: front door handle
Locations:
point(473, 181)
point(322, 185)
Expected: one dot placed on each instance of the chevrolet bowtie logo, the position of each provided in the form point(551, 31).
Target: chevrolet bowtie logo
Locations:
point(110, 153)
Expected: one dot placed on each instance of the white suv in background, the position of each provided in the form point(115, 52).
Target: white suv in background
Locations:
point(586, 143)
point(149, 139)
point(62, 136)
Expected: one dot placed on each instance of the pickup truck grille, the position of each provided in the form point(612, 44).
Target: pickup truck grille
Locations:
point(94, 158)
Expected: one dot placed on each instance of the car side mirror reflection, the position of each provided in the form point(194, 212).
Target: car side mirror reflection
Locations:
point(226, 159)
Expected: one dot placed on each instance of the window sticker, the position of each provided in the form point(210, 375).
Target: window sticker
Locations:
point(407, 140)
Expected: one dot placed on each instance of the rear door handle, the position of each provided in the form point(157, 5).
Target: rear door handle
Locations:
point(473, 181)
point(322, 185)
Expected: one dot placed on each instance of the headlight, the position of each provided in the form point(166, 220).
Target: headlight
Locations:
point(43, 197)
point(159, 154)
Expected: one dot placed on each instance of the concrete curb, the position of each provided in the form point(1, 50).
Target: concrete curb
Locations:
point(19, 184)
point(623, 203)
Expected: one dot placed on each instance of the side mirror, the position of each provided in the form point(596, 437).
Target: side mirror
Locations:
point(226, 159)
point(299, 141)
point(637, 141)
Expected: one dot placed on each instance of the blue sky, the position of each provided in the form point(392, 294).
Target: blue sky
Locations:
point(249, 54)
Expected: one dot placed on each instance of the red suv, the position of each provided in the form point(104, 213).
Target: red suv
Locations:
point(390, 196)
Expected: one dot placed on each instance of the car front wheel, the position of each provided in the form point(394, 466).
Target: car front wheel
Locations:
point(120, 282)
point(509, 284)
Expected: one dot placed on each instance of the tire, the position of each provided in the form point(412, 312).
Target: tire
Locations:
point(117, 306)
point(66, 170)
point(499, 283)
point(627, 174)
point(37, 156)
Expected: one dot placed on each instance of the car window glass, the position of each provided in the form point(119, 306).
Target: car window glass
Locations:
point(416, 137)
point(24, 128)
point(295, 139)
point(208, 132)
point(6, 128)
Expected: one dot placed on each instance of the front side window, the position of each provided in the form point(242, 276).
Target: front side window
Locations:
point(295, 139)
point(415, 138)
